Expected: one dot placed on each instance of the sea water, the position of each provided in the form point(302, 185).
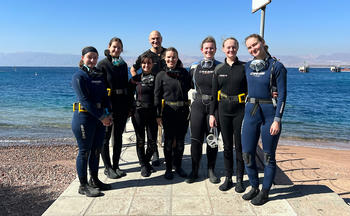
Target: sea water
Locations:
point(36, 102)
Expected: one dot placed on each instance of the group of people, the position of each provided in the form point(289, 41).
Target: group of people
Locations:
point(239, 100)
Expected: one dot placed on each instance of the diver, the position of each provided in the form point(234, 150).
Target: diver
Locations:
point(202, 74)
point(144, 116)
point(263, 113)
point(171, 99)
point(229, 89)
point(91, 115)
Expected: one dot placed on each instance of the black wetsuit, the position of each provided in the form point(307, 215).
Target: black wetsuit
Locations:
point(173, 85)
point(231, 81)
point(158, 65)
point(202, 76)
point(116, 77)
point(144, 116)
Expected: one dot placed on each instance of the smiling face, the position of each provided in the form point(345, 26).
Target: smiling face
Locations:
point(115, 49)
point(146, 65)
point(255, 48)
point(230, 48)
point(208, 50)
point(171, 59)
point(90, 59)
point(155, 39)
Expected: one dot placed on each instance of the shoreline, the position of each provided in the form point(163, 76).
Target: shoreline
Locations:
point(290, 141)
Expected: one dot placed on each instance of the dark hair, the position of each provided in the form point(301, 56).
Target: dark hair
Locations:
point(171, 49)
point(115, 39)
point(86, 50)
point(230, 38)
point(208, 39)
point(259, 38)
point(146, 56)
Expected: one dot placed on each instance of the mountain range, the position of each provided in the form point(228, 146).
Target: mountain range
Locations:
point(69, 60)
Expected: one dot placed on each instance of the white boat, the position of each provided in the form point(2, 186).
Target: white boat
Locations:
point(335, 69)
point(304, 69)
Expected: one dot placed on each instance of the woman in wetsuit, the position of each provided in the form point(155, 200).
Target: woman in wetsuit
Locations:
point(229, 88)
point(91, 115)
point(171, 89)
point(144, 117)
point(115, 72)
point(263, 114)
point(202, 76)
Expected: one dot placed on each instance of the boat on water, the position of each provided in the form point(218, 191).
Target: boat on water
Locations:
point(304, 69)
point(344, 69)
point(335, 69)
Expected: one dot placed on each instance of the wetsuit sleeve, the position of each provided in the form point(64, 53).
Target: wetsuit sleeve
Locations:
point(214, 93)
point(131, 90)
point(137, 64)
point(158, 94)
point(192, 70)
point(80, 87)
point(281, 82)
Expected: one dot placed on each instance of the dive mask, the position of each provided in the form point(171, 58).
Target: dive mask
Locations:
point(257, 65)
point(212, 138)
point(207, 63)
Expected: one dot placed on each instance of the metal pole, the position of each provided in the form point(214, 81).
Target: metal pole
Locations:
point(262, 22)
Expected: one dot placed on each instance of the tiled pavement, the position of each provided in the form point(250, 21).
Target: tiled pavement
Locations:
point(136, 195)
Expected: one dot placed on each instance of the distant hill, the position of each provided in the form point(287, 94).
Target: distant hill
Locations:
point(51, 59)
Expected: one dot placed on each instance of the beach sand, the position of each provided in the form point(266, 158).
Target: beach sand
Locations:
point(32, 177)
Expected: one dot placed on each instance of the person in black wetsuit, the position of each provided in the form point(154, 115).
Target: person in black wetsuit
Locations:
point(229, 88)
point(144, 116)
point(171, 89)
point(156, 51)
point(202, 75)
point(91, 115)
point(263, 114)
point(115, 72)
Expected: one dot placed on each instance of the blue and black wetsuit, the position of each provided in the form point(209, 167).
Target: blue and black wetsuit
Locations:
point(144, 117)
point(172, 86)
point(231, 82)
point(260, 113)
point(202, 75)
point(86, 124)
point(116, 78)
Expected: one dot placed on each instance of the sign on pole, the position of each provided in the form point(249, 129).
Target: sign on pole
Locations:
point(258, 4)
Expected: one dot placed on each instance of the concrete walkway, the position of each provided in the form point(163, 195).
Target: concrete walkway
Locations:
point(136, 195)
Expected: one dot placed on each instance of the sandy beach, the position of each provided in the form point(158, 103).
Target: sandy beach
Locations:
point(32, 177)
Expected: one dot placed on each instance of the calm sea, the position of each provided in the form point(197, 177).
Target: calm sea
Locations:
point(36, 102)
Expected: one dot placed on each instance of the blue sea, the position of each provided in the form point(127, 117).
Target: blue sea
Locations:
point(36, 102)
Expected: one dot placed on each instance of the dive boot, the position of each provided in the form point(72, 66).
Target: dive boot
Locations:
point(120, 173)
point(191, 178)
point(169, 175)
point(110, 173)
point(89, 191)
point(251, 194)
point(212, 177)
point(96, 183)
point(239, 187)
point(227, 185)
point(145, 172)
point(261, 198)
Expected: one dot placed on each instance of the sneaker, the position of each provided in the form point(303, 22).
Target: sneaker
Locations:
point(212, 177)
point(110, 173)
point(96, 183)
point(227, 185)
point(191, 178)
point(251, 194)
point(89, 191)
point(261, 198)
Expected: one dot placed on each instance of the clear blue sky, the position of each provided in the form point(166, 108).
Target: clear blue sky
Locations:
point(293, 27)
